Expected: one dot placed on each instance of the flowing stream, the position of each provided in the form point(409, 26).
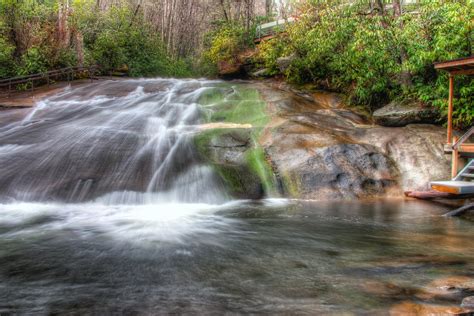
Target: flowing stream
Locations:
point(107, 208)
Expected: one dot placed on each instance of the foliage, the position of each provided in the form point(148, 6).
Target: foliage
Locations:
point(225, 42)
point(6, 54)
point(377, 57)
point(268, 52)
point(114, 38)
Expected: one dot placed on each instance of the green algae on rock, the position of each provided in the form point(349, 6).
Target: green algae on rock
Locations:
point(235, 152)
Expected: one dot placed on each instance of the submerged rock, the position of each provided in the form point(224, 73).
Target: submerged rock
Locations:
point(411, 308)
point(468, 302)
point(403, 113)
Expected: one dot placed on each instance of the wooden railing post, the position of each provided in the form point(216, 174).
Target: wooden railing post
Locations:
point(454, 159)
point(450, 109)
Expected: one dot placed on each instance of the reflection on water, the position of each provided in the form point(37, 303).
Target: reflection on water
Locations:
point(271, 257)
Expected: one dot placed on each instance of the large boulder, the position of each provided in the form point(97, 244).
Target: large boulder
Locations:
point(403, 113)
point(284, 62)
point(336, 172)
point(325, 151)
point(228, 151)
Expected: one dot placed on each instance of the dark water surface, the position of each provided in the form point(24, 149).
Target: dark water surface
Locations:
point(271, 257)
point(106, 208)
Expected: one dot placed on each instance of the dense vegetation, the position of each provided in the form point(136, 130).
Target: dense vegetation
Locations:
point(36, 36)
point(372, 55)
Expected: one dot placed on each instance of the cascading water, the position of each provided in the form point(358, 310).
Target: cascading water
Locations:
point(122, 142)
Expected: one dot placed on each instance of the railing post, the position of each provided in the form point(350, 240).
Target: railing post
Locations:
point(454, 159)
point(450, 109)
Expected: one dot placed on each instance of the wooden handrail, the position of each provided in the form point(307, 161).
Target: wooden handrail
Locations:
point(463, 138)
point(46, 75)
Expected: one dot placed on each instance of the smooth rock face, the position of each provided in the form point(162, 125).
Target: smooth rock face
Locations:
point(401, 114)
point(285, 62)
point(468, 302)
point(317, 149)
point(227, 151)
point(417, 150)
point(327, 152)
point(262, 73)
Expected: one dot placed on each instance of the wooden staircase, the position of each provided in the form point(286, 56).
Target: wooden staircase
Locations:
point(462, 182)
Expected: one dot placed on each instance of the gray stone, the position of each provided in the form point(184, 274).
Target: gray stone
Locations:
point(404, 113)
point(262, 73)
point(468, 302)
point(285, 62)
point(227, 151)
point(321, 152)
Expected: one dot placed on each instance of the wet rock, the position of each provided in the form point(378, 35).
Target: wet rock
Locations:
point(411, 308)
point(468, 303)
point(323, 151)
point(404, 113)
point(417, 150)
point(335, 172)
point(386, 289)
point(285, 62)
point(317, 149)
point(227, 150)
point(262, 73)
point(450, 288)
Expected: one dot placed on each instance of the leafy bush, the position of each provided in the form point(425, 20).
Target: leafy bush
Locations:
point(374, 57)
point(113, 38)
point(33, 61)
point(6, 58)
point(225, 42)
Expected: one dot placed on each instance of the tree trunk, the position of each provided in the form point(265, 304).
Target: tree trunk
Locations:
point(268, 7)
point(405, 76)
point(79, 45)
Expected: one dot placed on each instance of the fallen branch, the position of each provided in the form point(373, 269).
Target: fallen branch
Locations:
point(460, 211)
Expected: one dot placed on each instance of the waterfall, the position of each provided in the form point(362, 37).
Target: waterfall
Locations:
point(116, 142)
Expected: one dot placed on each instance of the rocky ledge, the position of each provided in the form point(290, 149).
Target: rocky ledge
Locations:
point(403, 113)
point(312, 147)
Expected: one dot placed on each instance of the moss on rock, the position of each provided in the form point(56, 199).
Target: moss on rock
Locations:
point(236, 153)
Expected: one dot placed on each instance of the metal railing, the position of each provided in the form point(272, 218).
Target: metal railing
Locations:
point(463, 138)
point(457, 147)
point(63, 74)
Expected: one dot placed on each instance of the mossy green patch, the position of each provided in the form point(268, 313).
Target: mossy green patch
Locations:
point(258, 164)
point(239, 104)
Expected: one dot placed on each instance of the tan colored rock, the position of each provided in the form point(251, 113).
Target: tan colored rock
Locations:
point(446, 287)
point(323, 151)
point(413, 309)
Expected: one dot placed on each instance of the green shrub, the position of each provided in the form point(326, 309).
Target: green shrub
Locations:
point(225, 42)
point(32, 61)
point(374, 58)
point(7, 66)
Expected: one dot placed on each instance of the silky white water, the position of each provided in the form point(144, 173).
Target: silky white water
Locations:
point(125, 142)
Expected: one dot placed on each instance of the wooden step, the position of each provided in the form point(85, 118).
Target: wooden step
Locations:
point(467, 175)
point(453, 187)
